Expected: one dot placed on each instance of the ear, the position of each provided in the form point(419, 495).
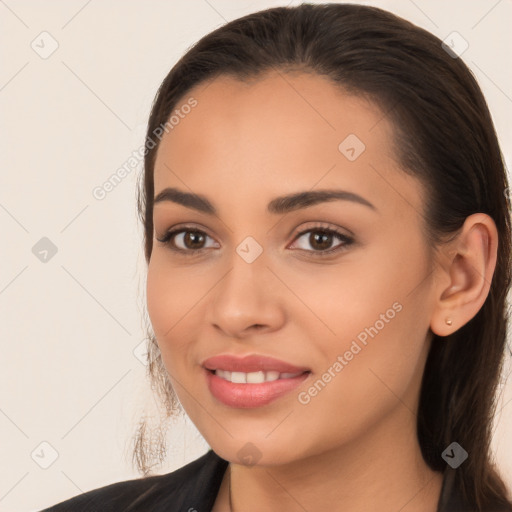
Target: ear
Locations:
point(463, 281)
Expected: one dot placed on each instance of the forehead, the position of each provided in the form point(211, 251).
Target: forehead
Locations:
point(279, 133)
point(279, 108)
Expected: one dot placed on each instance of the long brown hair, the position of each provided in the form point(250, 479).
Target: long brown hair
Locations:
point(444, 136)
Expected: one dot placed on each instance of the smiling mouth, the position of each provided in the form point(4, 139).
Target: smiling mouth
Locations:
point(258, 377)
point(245, 390)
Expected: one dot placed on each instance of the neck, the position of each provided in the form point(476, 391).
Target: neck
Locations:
point(377, 472)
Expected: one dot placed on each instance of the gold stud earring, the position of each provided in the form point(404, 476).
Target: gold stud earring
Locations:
point(448, 321)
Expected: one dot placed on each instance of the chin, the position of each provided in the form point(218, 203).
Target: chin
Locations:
point(254, 453)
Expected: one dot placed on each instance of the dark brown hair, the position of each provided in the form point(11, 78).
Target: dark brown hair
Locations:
point(443, 135)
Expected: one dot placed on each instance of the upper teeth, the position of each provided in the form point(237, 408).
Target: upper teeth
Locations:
point(254, 377)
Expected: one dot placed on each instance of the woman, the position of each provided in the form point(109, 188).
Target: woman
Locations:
point(328, 242)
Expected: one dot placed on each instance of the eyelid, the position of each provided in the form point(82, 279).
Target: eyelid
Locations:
point(322, 226)
point(186, 227)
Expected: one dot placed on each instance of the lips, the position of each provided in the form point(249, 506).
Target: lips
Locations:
point(251, 363)
point(245, 395)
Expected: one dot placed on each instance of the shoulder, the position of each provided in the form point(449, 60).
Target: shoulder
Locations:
point(193, 486)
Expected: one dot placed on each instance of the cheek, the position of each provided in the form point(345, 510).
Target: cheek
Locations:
point(372, 367)
point(339, 302)
point(372, 313)
point(159, 299)
point(173, 299)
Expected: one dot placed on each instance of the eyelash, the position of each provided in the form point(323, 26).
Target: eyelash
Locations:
point(347, 240)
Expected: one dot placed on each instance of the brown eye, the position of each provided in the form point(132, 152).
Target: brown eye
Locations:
point(185, 240)
point(320, 241)
point(193, 239)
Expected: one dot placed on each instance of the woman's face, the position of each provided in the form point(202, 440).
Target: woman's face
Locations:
point(357, 318)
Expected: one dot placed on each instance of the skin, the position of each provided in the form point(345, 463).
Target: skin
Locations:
point(354, 445)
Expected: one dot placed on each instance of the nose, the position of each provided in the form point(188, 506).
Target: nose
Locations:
point(248, 299)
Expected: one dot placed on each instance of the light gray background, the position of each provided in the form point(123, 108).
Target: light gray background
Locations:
point(70, 326)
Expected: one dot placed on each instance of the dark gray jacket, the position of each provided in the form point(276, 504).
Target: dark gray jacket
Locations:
point(194, 488)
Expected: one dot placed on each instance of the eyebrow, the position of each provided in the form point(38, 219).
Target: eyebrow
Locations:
point(279, 205)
